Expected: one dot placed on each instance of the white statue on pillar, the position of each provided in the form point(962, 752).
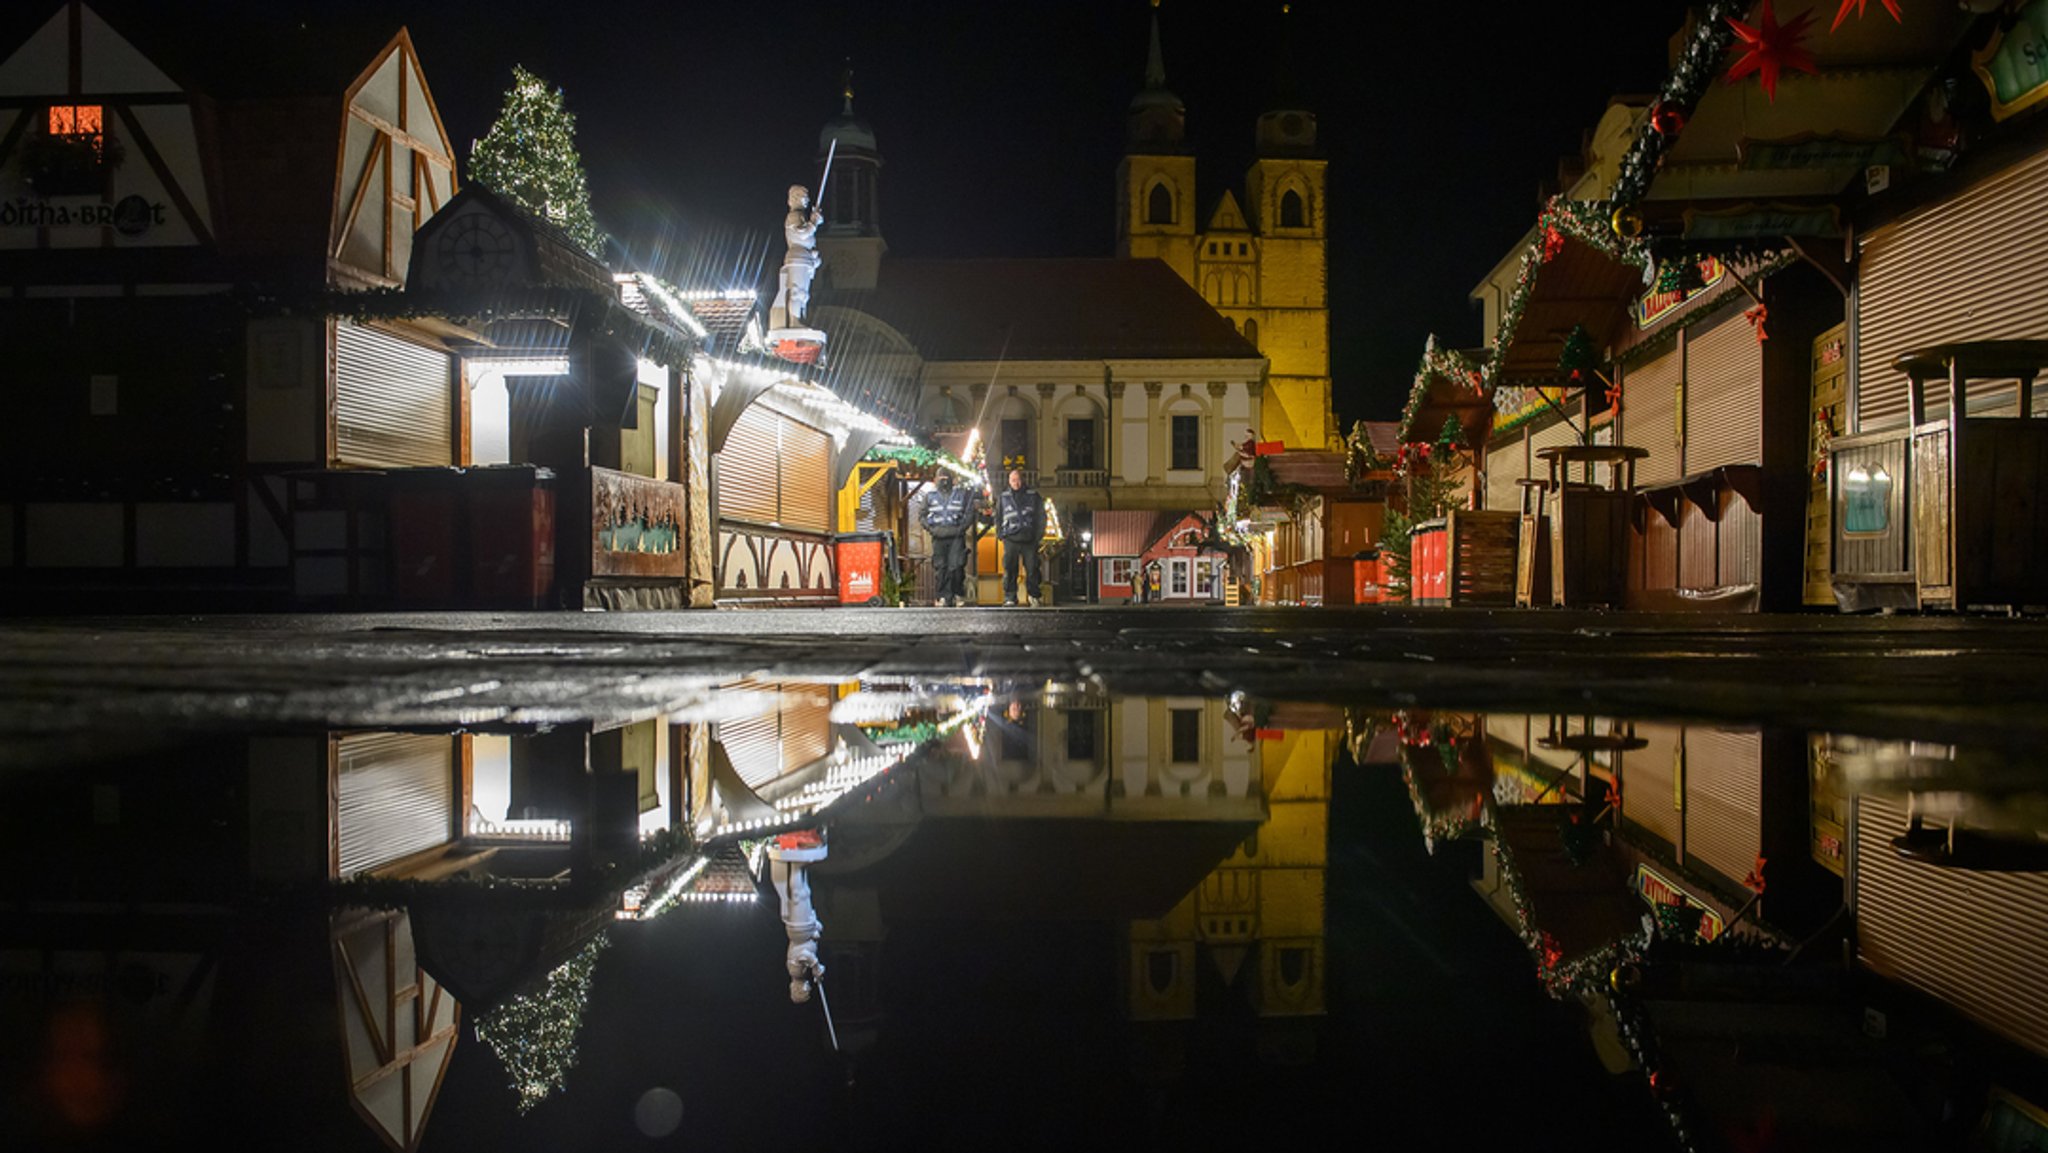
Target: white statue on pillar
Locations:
point(787, 857)
point(799, 261)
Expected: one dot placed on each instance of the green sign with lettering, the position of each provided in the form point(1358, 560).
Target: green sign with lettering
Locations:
point(2014, 66)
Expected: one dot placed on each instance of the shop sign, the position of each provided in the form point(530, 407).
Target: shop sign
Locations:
point(1655, 306)
point(1817, 150)
point(1657, 890)
point(1763, 221)
point(1513, 404)
point(129, 216)
point(2014, 65)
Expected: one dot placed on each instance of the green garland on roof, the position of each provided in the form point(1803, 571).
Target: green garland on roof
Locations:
point(915, 455)
point(1447, 363)
point(1699, 62)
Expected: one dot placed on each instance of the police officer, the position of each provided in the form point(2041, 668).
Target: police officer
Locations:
point(1020, 525)
point(949, 515)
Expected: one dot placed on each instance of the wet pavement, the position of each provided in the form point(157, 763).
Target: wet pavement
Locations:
point(1429, 878)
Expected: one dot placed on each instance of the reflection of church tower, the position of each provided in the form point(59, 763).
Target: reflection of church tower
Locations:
point(1259, 260)
point(850, 240)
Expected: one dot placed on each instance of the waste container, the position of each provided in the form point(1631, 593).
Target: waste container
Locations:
point(861, 558)
point(511, 536)
point(424, 505)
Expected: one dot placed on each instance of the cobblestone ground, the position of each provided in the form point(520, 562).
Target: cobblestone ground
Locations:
point(1929, 677)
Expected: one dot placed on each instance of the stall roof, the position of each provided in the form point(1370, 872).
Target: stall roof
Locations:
point(1097, 309)
point(1129, 532)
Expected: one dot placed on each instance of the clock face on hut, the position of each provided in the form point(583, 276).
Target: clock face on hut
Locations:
point(475, 250)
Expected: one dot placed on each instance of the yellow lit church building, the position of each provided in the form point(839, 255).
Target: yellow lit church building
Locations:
point(1261, 261)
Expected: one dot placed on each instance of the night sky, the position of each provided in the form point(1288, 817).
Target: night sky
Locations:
point(1000, 124)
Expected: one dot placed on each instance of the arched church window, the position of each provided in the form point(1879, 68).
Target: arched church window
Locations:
point(1251, 331)
point(1293, 214)
point(1159, 205)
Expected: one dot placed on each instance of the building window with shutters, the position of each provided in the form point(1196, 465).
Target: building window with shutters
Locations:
point(1080, 443)
point(1187, 443)
point(1187, 736)
point(1081, 734)
point(1014, 435)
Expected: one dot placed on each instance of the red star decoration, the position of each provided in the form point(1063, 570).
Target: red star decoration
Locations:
point(1771, 47)
point(1891, 6)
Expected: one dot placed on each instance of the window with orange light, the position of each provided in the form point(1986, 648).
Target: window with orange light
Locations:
point(82, 123)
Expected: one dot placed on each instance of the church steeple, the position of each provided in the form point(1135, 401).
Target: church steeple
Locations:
point(1286, 127)
point(1158, 120)
point(850, 239)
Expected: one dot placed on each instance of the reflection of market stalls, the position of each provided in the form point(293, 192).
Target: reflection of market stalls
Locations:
point(212, 1019)
point(1975, 940)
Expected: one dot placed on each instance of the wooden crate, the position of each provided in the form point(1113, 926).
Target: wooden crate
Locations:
point(1480, 551)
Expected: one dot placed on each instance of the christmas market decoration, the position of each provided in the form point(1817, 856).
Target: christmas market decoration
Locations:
point(1682, 276)
point(1578, 358)
point(529, 157)
point(1770, 48)
point(1841, 14)
point(1667, 119)
point(1628, 222)
point(1699, 61)
point(1553, 243)
point(534, 1034)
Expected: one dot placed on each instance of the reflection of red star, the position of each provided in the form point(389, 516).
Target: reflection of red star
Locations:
point(1770, 48)
point(1891, 6)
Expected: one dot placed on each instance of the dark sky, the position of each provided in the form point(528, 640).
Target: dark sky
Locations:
point(1000, 124)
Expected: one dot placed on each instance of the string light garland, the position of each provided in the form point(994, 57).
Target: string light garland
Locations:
point(534, 1035)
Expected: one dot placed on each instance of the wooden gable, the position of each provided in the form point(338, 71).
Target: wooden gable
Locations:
point(98, 147)
point(396, 170)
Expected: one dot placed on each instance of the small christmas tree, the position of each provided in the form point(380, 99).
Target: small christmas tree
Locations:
point(529, 157)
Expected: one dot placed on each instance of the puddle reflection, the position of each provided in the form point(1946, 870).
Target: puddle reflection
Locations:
point(1122, 903)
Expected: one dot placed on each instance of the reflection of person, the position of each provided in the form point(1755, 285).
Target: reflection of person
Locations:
point(948, 516)
point(799, 261)
point(1020, 525)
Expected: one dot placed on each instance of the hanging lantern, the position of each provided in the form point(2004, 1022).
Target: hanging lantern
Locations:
point(1628, 222)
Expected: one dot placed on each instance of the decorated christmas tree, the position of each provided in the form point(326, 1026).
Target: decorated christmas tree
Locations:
point(529, 157)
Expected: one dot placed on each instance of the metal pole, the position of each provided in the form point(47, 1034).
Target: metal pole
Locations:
point(826, 1004)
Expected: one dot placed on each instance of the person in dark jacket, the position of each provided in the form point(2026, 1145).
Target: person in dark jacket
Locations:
point(949, 516)
point(1020, 525)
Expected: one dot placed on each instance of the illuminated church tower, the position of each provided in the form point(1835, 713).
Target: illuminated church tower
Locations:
point(1260, 260)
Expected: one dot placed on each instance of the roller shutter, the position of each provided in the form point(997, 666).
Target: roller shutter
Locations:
point(807, 496)
point(776, 471)
point(1648, 789)
point(1724, 396)
point(1557, 432)
point(393, 400)
point(1724, 800)
point(754, 746)
point(1976, 940)
point(1649, 417)
point(748, 486)
point(1973, 267)
point(395, 796)
point(1506, 463)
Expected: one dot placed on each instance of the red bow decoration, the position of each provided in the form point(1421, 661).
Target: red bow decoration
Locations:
point(1755, 881)
point(1614, 395)
point(1756, 318)
point(1891, 6)
point(1770, 48)
point(1553, 243)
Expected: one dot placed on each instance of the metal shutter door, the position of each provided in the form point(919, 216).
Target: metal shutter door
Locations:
point(1976, 940)
point(395, 797)
point(1724, 800)
point(807, 496)
point(1647, 791)
point(1505, 464)
point(747, 469)
point(1556, 433)
point(754, 747)
point(392, 400)
point(1974, 267)
point(1724, 396)
point(1649, 417)
point(806, 727)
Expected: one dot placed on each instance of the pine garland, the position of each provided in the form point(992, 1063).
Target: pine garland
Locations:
point(529, 156)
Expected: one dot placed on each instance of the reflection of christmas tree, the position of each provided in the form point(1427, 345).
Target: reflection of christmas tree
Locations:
point(534, 1035)
point(529, 157)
